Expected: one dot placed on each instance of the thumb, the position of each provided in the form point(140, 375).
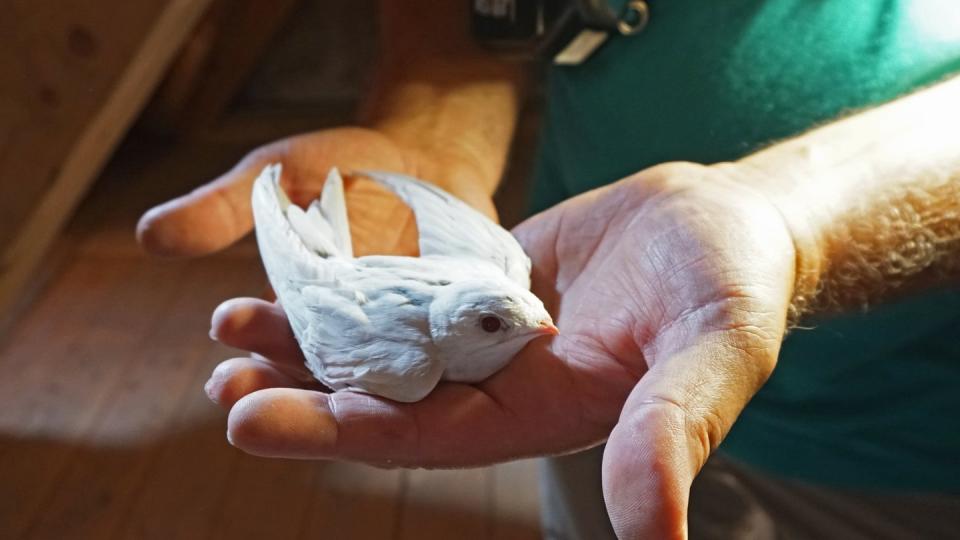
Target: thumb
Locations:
point(673, 419)
point(209, 218)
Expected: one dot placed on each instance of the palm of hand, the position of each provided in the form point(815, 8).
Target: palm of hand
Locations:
point(670, 290)
point(635, 270)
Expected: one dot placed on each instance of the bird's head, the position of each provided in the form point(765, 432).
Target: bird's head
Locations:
point(480, 325)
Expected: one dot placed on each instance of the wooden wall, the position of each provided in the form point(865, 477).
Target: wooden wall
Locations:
point(73, 76)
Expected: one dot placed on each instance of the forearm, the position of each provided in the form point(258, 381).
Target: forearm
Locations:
point(873, 200)
point(436, 92)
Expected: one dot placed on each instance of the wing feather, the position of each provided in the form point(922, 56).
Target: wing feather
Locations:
point(284, 252)
point(294, 250)
point(450, 227)
point(332, 207)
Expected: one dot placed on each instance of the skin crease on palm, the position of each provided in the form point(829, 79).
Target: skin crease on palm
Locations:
point(670, 289)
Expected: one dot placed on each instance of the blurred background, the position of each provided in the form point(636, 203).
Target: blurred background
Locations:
point(107, 108)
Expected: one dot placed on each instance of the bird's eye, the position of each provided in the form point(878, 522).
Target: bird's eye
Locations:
point(491, 324)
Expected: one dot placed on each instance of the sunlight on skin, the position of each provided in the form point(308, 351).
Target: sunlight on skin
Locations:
point(707, 346)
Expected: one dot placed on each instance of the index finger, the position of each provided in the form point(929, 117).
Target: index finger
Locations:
point(207, 219)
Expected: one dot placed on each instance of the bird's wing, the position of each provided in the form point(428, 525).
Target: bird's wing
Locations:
point(381, 345)
point(286, 253)
point(298, 247)
point(449, 227)
point(323, 227)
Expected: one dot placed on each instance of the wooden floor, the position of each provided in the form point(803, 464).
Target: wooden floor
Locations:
point(105, 431)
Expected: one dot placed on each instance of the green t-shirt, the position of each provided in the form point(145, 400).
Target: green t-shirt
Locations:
point(864, 399)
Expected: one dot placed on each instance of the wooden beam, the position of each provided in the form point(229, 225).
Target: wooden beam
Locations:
point(65, 106)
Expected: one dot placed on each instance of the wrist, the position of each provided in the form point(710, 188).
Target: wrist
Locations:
point(780, 189)
point(868, 198)
point(459, 169)
point(456, 125)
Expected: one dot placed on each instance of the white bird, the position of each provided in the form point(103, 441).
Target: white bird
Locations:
point(390, 325)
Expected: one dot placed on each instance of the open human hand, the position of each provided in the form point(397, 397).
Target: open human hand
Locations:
point(218, 213)
point(670, 289)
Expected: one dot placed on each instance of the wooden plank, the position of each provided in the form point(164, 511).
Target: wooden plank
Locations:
point(61, 393)
point(155, 448)
point(149, 380)
point(516, 501)
point(67, 115)
point(266, 498)
point(184, 489)
point(354, 501)
point(25, 359)
point(447, 504)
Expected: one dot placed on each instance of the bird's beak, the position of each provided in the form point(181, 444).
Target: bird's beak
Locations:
point(548, 328)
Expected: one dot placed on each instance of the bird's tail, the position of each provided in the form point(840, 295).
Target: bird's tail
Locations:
point(290, 238)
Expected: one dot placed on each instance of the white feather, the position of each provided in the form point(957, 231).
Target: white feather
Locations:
point(451, 228)
point(333, 207)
